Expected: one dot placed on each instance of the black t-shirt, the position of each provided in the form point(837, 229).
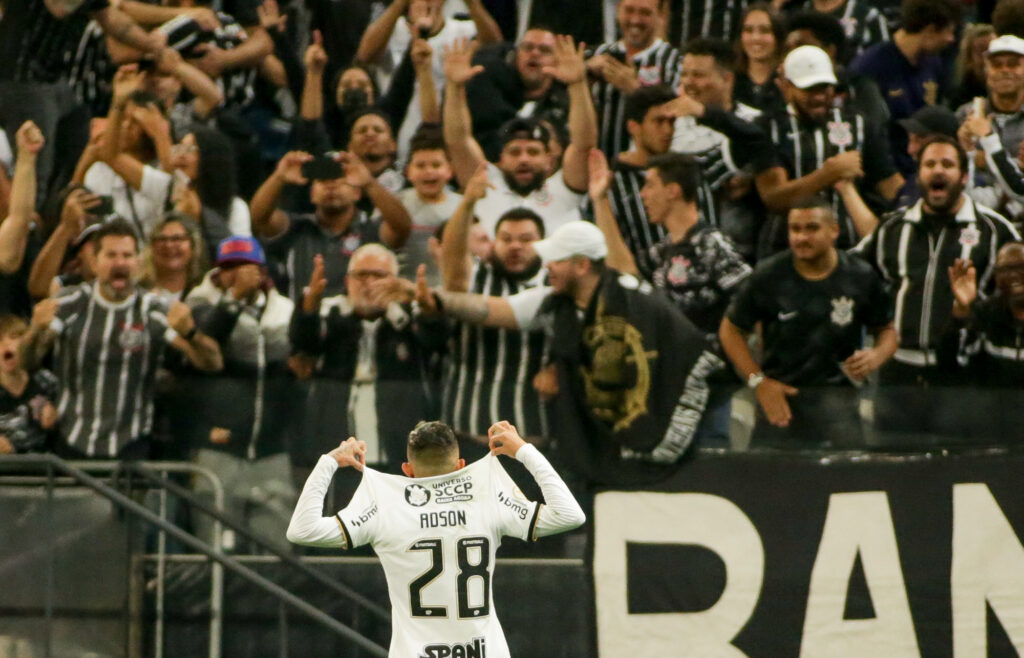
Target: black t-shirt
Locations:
point(293, 251)
point(810, 327)
point(35, 45)
point(19, 413)
point(699, 273)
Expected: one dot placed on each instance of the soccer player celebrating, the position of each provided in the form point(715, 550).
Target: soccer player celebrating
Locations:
point(437, 531)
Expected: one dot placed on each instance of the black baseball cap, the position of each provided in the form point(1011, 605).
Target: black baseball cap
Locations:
point(932, 120)
point(524, 128)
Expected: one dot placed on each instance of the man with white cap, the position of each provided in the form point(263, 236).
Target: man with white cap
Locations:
point(997, 132)
point(819, 146)
point(628, 382)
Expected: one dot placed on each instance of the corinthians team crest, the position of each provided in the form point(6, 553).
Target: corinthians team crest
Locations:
point(416, 495)
point(842, 311)
point(840, 133)
point(679, 272)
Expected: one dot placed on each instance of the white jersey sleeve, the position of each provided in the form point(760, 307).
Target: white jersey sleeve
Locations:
point(560, 512)
point(347, 529)
point(515, 515)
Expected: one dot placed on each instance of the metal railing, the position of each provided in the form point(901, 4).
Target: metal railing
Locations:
point(77, 472)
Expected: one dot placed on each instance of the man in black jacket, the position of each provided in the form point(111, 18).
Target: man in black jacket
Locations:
point(912, 249)
point(374, 355)
point(513, 84)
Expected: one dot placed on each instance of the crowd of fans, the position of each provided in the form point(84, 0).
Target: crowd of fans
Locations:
point(239, 231)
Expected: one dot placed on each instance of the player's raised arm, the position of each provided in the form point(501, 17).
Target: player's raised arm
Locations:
point(561, 512)
point(308, 526)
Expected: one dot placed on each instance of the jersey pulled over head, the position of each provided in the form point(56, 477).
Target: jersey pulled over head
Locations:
point(432, 449)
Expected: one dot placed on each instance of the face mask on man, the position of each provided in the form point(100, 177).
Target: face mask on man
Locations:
point(353, 100)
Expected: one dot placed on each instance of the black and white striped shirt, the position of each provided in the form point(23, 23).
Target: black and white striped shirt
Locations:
point(724, 144)
point(803, 146)
point(35, 45)
point(718, 19)
point(489, 373)
point(92, 71)
point(638, 232)
point(913, 253)
point(659, 64)
point(106, 357)
point(864, 24)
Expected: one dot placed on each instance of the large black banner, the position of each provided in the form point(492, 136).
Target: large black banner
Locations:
point(779, 556)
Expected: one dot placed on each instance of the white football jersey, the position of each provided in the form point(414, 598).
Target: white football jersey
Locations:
point(437, 538)
point(554, 201)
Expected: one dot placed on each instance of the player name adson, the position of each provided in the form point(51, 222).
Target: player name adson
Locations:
point(448, 519)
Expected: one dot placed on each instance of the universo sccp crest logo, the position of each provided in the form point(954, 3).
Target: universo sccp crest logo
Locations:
point(416, 495)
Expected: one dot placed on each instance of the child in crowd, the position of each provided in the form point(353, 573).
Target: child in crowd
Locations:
point(27, 411)
point(430, 201)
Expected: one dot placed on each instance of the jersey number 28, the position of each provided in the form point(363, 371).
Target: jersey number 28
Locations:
point(467, 571)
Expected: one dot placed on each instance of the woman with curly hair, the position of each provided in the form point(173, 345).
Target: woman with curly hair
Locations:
point(207, 188)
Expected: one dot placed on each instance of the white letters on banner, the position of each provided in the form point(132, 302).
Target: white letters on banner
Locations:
point(987, 570)
point(858, 523)
point(700, 519)
point(988, 565)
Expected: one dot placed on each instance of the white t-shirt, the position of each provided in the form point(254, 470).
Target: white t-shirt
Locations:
point(426, 217)
point(436, 538)
point(553, 201)
point(6, 154)
point(401, 38)
point(239, 221)
point(143, 208)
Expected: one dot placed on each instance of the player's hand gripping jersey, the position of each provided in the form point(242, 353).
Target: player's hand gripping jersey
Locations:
point(437, 538)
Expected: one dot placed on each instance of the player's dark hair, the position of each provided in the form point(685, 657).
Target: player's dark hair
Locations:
point(518, 215)
point(719, 49)
point(431, 443)
point(961, 154)
point(680, 169)
point(917, 15)
point(816, 202)
point(639, 103)
point(826, 28)
point(117, 228)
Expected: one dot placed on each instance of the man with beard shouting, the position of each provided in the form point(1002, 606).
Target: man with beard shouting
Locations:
point(521, 177)
point(912, 248)
point(110, 339)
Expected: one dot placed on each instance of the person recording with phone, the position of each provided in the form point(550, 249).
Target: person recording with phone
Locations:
point(335, 229)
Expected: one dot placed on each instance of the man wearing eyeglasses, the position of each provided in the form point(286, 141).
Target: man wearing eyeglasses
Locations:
point(514, 84)
point(372, 352)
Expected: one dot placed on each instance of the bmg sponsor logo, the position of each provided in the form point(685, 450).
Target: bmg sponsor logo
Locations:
point(518, 508)
point(475, 649)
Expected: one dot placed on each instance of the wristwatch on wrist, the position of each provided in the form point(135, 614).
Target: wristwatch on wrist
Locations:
point(754, 380)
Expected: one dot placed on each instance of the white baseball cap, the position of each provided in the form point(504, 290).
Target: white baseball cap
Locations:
point(577, 238)
point(808, 66)
point(1006, 44)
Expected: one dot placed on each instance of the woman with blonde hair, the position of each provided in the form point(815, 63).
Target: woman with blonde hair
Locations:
point(969, 73)
point(175, 260)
